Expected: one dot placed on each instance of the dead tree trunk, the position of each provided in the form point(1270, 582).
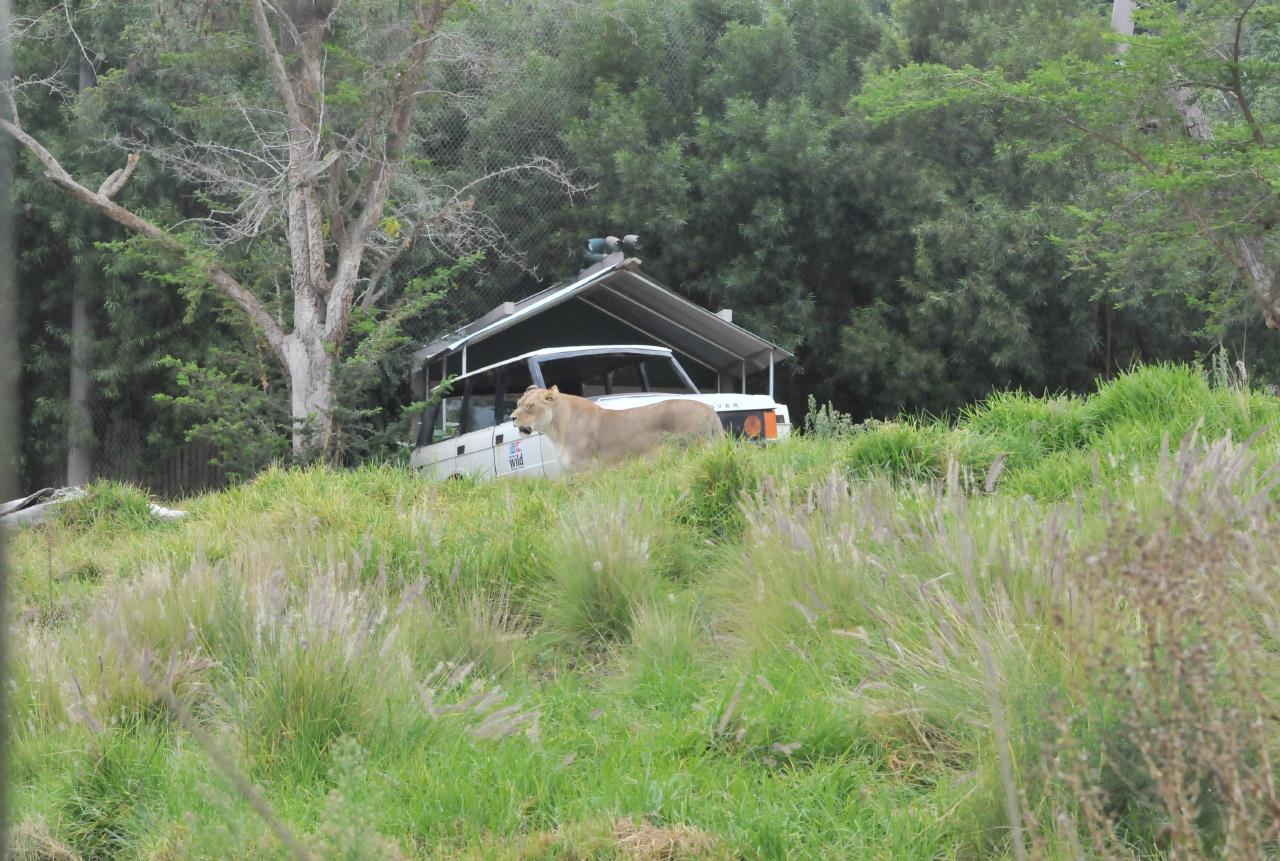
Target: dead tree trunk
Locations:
point(330, 215)
point(80, 421)
point(329, 188)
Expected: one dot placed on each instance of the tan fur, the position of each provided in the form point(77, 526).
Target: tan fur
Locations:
point(586, 434)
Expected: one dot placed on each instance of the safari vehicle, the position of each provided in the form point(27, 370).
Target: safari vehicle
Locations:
point(470, 429)
point(576, 336)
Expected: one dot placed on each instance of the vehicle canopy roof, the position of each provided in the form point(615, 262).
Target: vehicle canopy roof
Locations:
point(567, 352)
point(617, 290)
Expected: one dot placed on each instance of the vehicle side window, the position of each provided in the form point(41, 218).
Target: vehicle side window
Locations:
point(624, 380)
point(662, 376)
point(480, 407)
point(516, 378)
point(450, 419)
point(441, 417)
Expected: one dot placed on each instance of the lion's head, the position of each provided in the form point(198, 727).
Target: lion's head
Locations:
point(534, 409)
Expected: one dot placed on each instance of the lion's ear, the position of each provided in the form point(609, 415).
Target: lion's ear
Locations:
point(532, 386)
point(551, 393)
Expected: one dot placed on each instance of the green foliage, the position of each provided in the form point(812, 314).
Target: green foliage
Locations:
point(914, 196)
point(484, 668)
point(895, 229)
point(106, 503)
point(346, 834)
point(245, 423)
point(723, 476)
point(601, 573)
point(1030, 428)
point(1160, 211)
point(374, 414)
point(826, 422)
point(114, 779)
point(137, 312)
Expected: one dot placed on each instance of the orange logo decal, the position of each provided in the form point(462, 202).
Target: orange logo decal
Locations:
point(751, 425)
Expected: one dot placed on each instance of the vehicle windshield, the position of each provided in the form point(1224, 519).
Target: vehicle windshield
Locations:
point(598, 374)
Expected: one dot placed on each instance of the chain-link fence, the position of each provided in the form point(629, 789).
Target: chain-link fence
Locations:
point(494, 142)
point(117, 448)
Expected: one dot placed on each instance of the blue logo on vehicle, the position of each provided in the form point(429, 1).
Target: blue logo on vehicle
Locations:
point(515, 456)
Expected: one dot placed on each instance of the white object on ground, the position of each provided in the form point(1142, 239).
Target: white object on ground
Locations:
point(37, 507)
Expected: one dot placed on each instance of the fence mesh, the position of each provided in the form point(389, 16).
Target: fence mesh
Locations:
point(491, 120)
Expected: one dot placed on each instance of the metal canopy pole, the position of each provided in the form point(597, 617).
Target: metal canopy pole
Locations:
point(771, 373)
point(464, 358)
point(441, 409)
point(744, 378)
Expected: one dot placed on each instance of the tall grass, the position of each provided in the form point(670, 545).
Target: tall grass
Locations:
point(603, 569)
point(791, 651)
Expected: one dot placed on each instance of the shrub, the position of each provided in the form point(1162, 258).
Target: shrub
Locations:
point(107, 503)
point(479, 629)
point(309, 677)
point(1175, 624)
point(665, 667)
point(1026, 428)
point(1152, 395)
point(826, 422)
point(859, 571)
point(902, 450)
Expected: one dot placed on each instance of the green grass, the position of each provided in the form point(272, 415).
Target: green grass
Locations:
point(731, 652)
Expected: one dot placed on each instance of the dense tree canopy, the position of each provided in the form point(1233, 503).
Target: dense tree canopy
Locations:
point(917, 197)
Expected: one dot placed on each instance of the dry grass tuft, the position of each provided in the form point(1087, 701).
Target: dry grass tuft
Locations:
point(1170, 744)
point(645, 841)
point(33, 840)
point(621, 840)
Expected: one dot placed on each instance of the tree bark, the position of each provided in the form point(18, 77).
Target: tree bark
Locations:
point(80, 422)
point(311, 367)
point(324, 268)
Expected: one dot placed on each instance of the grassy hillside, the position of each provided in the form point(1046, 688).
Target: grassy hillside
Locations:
point(875, 641)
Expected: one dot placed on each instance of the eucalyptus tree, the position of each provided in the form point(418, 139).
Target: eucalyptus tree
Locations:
point(289, 128)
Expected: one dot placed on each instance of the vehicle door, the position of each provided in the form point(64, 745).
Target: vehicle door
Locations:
point(473, 447)
point(516, 454)
point(436, 451)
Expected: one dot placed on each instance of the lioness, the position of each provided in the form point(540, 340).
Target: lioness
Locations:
point(586, 434)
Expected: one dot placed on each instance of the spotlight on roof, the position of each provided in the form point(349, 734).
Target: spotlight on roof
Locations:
point(597, 249)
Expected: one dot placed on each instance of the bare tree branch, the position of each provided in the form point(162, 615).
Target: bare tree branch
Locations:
point(112, 185)
point(279, 74)
point(337, 216)
point(13, 103)
point(223, 280)
point(1237, 85)
point(427, 17)
point(373, 293)
point(305, 221)
point(92, 60)
point(322, 174)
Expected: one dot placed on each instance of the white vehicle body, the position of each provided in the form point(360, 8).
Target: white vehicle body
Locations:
point(469, 431)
